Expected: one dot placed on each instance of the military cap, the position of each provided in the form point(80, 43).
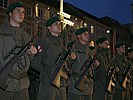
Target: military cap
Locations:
point(118, 44)
point(80, 31)
point(129, 50)
point(91, 47)
point(101, 40)
point(12, 6)
point(51, 21)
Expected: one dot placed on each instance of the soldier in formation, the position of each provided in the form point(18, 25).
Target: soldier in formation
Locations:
point(12, 38)
point(81, 49)
point(54, 54)
point(100, 73)
point(121, 90)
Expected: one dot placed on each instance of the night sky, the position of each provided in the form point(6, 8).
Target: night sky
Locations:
point(119, 10)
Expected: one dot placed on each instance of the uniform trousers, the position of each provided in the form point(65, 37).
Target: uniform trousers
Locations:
point(14, 95)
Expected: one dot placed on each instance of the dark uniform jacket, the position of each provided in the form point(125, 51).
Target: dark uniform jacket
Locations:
point(122, 62)
point(51, 49)
point(11, 37)
point(82, 55)
point(100, 73)
point(130, 62)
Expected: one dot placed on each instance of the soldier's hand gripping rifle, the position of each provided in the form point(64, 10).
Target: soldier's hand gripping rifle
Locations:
point(82, 78)
point(5, 70)
point(110, 80)
point(124, 80)
point(58, 73)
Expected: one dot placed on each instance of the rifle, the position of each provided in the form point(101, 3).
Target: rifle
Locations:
point(110, 80)
point(84, 65)
point(82, 78)
point(123, 82)
point(5, 70)
point(58, 73)
point(10, 52)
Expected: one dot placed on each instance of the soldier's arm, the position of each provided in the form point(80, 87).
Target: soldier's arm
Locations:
point(117, 64)
point(32, 49)
point(36, 64)
point(99, 61)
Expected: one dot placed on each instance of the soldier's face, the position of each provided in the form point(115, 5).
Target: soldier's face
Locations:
point(130, 54)
point(84, 37)
point(105, 44)
point(121, 49)
point(17, 15)
point(56, 27)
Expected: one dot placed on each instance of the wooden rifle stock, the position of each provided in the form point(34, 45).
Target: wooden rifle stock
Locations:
point(58, 73)
point(123, 82)
point(82, 78)
point(110, 80)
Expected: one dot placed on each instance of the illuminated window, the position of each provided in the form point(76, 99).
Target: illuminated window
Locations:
point(92, 29)
point(3, 3)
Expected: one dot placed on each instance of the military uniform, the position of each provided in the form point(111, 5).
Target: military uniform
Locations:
point(34, 73)
point(51, 49)
point(16, 84)
point(92, 51)
point(131, 78)
point(130, 61)
point(100, 74)
point(82, 55)
point(34, 83)
point(121, 62)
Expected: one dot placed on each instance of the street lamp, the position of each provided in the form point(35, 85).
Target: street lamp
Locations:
point(108, 31)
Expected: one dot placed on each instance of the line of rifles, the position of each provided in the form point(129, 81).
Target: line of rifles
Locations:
point(58, 73)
